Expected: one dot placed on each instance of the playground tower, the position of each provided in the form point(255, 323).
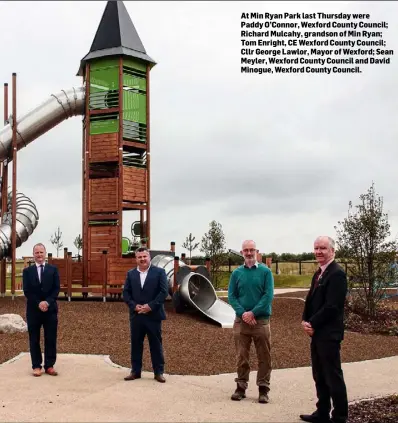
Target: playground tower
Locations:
point(116, 137)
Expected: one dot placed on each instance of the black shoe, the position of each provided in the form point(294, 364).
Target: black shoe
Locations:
point(313, 418)
point(263, 395)
point(133, 376)
point(238, 395)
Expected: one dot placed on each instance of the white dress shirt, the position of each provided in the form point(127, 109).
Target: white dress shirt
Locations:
point(143, 275)
point(39, 271)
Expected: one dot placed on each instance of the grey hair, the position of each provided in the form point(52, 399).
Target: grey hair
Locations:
point(332, 243)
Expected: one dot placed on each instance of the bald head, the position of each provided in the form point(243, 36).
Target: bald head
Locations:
point(249, 252)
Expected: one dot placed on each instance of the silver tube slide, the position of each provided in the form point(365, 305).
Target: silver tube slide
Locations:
point(55, 110)
point(27, 219)
point(196, 290)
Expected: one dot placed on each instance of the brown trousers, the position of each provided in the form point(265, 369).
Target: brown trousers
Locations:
point(260, 334)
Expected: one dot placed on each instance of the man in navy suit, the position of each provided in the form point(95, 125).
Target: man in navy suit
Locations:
point(41, 288)
point(145, 291)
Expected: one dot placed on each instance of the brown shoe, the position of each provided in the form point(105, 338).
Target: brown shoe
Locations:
point(132, 376)
point(238, 395)
point(51, 371)
point(160, 378)
point(37, 372)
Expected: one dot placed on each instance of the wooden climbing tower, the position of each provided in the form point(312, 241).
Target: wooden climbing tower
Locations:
point(116, 138)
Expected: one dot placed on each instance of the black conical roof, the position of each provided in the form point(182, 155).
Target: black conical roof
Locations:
point(116, 35)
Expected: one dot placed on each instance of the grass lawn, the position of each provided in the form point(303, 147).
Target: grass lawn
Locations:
point(280, 281)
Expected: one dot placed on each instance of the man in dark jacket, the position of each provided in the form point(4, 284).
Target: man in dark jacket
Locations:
point(145, 292)
point(323, 321)
point(41, 288)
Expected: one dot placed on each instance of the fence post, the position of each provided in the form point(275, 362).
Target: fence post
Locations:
point(299, 267)
point(176, 266)
point(208, 264)
point(229, 264)
point(69, 274)
point(277, 267)
point(105, 276)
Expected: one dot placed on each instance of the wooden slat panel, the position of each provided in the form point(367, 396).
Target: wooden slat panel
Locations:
point(103, 195)
point(102, 238)
point(77, 271)
point(118, 268)
point(104, 147)
point(60, 263)
point(134, 184)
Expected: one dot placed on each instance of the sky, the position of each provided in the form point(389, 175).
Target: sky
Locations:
point(274, 158)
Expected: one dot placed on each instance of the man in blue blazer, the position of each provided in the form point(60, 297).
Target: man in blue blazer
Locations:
point(145, 291)
point(41, 288)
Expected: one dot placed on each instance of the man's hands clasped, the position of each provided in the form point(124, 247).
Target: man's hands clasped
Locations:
point(248, 317)
point(142, 309)
point(43, 306)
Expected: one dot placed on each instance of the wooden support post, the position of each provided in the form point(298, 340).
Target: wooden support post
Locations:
point(65, 252)
point(69, 274)
point(14, 185)
point(183, 257)
point(148, 159)
point(172, 246)
point(4, 186)
point(120, 178)
point(105, 274)
point(142, 228)
point(50, 258)
point(85, 188)
point(208, 264)
point(176, 268)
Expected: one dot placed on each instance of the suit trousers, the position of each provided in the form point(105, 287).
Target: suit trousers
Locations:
point(35, 320)
point(141, 326)
point(260, 334)
point(329, 380)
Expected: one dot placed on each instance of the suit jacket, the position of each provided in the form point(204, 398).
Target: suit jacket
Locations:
point(324, 305)
point(154, 292)
point(46, 290)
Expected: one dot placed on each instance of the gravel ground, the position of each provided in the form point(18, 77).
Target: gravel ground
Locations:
point(192, 344)
point(196, 346)
point(382, 410)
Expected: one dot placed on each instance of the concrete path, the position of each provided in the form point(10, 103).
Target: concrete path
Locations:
point(90, 388)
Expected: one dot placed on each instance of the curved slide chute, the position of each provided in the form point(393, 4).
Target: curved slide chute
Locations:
point(49, 114)
point(195, 290)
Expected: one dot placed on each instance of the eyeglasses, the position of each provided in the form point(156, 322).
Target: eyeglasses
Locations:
point(249, 250)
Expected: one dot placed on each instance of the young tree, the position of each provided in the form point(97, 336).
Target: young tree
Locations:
point(213, 245)
point(78, 243)
point(190, 245)
point(56, 240)
point(363, 241)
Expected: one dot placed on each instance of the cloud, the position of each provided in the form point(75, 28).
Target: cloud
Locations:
point(276, 158)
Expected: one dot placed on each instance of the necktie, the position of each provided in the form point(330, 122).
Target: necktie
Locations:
point(317, 277)
point(41, 272)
